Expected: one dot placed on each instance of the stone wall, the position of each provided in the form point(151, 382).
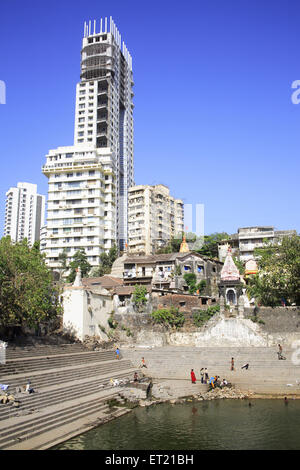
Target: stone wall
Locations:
point(277, 319)
point(280, 327)
point(184, 302)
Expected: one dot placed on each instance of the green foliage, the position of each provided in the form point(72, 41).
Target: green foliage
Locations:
point(210, 246)
point(27, 293)
point(255, 319)
point(172, 247)
point(79, 260)
point(191, 279)
point(239, 264)
point(139, 296)
point(168, 316)
point(202, 316)
point(106, 262)
point(63, 261)
point(279, 273)
point(112, 322)
point(102, 328)
point(128, 330)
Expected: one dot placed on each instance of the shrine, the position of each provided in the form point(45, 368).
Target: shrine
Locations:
point(231, 287)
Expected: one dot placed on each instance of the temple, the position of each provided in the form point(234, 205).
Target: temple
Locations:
point(230, 286)
point(184, 247)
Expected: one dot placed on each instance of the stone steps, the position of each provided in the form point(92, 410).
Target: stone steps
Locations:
point(32, 365)
point(71, 390)
point(50, 421)
point(265, 371)
point(42, 350)
point(58, 376)
point(39, 401)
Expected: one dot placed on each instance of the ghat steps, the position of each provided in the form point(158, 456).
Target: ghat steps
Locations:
point(266, 374)
point(72, 389)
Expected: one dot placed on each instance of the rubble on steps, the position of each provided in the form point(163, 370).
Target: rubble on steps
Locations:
point(95, 344)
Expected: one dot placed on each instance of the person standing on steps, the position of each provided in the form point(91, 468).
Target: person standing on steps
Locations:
point(118, 353)
point(193, 377)
point(232, 363)
point(202, 375)
point(143, 363)
point(206, 378)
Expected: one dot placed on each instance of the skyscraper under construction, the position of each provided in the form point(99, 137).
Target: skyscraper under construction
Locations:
point(89, 181)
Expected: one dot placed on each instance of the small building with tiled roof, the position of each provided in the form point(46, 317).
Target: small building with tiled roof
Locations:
point(167, 270)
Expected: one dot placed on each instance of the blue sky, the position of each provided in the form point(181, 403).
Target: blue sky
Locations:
point(213, 115)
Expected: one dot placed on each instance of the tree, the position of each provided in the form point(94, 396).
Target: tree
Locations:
point(27, 293)
point(139, 298)
point(168, 316)
point(106, 262)
point(210, 246)
point(191, 279)
point(278, 278)
point(63, 261)
point(172, 246)
point(239, 264)
point(79, 260)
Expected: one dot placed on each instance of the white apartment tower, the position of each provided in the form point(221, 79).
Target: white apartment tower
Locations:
point(154, 217)
point(89, 181)
point(24, 213)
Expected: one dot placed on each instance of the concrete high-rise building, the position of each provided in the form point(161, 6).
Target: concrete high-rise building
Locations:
point(154, 217)
point(89, 181)
point(244, 242)
point(24, 213)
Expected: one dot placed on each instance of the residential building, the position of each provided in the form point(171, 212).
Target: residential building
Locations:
point(154, 217)
point(166, 271)
point(244, 242)
point(24, 213)
point(89, 181)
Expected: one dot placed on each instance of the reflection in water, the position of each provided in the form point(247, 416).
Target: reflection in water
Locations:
point(228, 424)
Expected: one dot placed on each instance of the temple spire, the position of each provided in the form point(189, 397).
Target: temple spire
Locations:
point(230, 271)
point(184, 247)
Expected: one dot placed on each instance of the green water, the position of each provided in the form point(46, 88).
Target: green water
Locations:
point(222, 424)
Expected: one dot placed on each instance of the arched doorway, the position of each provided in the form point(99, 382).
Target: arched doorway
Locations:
point(231, 297)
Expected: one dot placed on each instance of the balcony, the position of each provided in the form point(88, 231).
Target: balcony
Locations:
point(250, 246)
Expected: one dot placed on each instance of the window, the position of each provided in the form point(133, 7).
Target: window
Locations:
point(67, 221)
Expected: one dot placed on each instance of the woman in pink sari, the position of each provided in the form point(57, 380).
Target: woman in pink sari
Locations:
point(193, 377)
